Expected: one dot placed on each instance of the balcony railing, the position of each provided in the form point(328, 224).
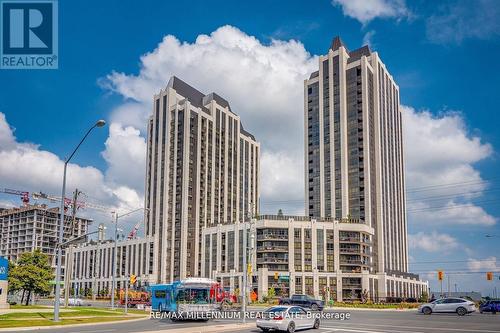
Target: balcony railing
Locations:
point(272, 237)
point(272, 248)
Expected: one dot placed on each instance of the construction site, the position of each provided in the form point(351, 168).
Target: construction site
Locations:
point(88, 262)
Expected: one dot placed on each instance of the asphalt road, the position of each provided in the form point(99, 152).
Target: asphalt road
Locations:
point(360, 321)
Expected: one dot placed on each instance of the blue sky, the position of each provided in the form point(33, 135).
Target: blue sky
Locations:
point(441, 54)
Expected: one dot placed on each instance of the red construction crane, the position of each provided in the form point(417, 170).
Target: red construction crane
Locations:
point(69, 202)
point(133, 233)
point(25, 196)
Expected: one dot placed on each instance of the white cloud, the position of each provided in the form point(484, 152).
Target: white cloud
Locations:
point(440, 150)
point(366, 10)
point(487, 264)
point(368, 38)
point(126, 156)
point(25, 166)
point(460, 20)
point(263, 84)
point(433, 242)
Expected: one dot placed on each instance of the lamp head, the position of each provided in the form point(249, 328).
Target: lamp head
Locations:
point(100, 123)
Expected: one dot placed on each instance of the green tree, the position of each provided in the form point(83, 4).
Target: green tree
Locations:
point(31, 274)
point(271, 293)
point(424, 297)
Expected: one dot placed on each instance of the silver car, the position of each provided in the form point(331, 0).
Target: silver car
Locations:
point(287, 318)
point(459, 306)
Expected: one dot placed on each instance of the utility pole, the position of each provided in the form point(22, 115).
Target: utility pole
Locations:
point(113, 263)
point(76, 193)
point(448, 285)
point(126, 295)
point(244, 299)
point(244, 270)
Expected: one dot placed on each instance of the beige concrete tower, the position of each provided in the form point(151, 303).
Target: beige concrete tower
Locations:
point(202, 170)
point(354, 149)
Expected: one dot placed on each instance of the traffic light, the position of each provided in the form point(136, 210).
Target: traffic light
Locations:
point(489, 276)
point(133, 279)
point(276, 275)
point(440, 275)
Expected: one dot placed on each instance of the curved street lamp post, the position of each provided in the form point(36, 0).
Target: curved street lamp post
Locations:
point(99, 123)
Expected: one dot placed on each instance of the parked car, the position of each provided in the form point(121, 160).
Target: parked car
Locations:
point(287, 318)
point(458, 305)
point(304, 301)
point(490, 306)
point(72, 301)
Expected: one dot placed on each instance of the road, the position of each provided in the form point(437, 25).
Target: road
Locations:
point(360, 321)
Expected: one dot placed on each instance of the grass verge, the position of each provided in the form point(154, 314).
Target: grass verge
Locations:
point(73, 316)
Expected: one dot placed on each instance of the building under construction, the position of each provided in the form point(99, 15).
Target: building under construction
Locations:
point(32, 227)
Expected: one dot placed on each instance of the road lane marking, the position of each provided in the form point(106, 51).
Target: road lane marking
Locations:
point(95, 331)
point(426, 329)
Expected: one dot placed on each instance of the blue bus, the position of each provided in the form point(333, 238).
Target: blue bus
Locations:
point(189, 296)
point(163, 297)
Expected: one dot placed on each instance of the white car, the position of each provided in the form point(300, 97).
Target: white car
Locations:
point(287, 318)
point(72, 301)
point(459, 306)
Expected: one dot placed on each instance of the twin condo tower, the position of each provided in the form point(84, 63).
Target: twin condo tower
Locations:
point(202, 192)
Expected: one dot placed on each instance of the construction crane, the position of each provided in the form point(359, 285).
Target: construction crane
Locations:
point(133, 232)
point(25, 196)
point(68, 202)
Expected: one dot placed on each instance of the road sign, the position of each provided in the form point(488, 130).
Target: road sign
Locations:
point(4, 268)
point(133, 279)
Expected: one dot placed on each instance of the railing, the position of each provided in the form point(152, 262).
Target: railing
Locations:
point(272, 261)
point(284, 217)
point(271, 237)
point(272, 248)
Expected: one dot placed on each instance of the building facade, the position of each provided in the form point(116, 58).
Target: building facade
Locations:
point(90, 265)
point(326, 258)
point(354, 150)
point(202, 170)
point(35, 227)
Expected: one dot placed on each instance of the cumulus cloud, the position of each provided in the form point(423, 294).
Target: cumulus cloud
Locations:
point(263, 83)
point(25, 166)
point(432, 242)
point(366, 10)
point(487, 264)
point(126, 156)
point(439, 150)
point(460, 20)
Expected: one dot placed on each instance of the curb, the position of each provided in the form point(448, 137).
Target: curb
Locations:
point(208, 329)
point(370, 309)
point(30, 328)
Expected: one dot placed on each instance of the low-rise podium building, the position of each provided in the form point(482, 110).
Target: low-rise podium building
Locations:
point(326, 258)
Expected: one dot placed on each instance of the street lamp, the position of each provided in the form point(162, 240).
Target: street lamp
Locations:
point(113, 261)
point(99, 123)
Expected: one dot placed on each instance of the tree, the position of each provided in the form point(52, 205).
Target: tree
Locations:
point(424, 297)
point(31, 274)
point(271, 293)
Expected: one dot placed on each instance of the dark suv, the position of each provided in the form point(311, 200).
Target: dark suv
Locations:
point(490, 306)
point(304, 301)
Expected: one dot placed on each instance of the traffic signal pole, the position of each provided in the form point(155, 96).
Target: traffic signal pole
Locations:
point(126, 295)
